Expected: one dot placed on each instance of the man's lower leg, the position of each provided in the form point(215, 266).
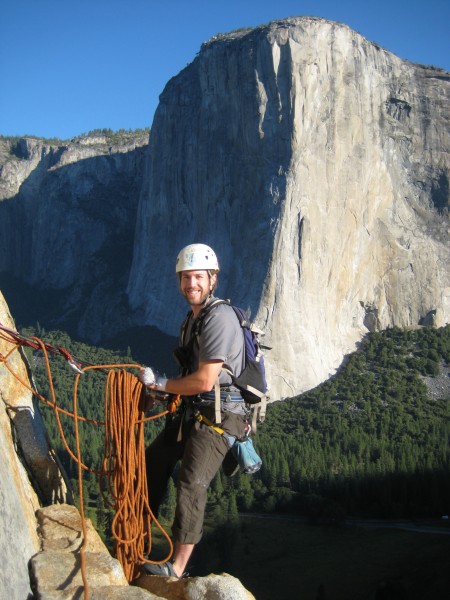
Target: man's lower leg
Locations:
point(181, 557)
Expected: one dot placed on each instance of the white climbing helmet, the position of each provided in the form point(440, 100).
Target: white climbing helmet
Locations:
point(197, 257)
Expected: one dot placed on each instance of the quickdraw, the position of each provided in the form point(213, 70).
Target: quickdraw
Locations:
point(36, 344)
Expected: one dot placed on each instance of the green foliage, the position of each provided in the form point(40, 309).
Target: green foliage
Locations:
point(13, 140)
point(283, 557)
point(370, 441)
point(220, 35)
point(114, 137)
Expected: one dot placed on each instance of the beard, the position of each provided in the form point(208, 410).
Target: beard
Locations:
point(198, 298)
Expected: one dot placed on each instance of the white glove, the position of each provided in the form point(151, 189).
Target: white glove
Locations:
point(147, 376)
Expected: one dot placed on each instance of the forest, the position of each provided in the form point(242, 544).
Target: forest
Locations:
point(371, 442)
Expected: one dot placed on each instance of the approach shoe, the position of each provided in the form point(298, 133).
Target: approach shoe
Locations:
point(163, 570)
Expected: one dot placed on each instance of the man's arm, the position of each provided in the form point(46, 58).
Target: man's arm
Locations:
point(200, 381)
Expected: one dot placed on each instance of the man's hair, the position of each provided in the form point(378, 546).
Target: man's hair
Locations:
point(216, 273)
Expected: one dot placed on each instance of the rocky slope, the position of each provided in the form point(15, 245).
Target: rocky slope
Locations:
point(316, 164)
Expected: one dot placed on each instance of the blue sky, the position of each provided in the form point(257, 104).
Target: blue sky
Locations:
point(70, 66)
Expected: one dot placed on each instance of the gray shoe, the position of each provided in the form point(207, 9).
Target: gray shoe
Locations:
point(163, 570)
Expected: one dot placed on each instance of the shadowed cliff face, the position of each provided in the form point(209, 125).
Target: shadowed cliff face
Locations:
point(316, 164)
point(67, 218)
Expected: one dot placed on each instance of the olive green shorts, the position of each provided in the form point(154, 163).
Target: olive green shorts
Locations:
point(201, 451)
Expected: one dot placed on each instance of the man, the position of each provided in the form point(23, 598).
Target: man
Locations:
point(187, 437)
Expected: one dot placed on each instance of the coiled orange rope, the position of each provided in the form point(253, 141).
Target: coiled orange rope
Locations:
point(123, 464)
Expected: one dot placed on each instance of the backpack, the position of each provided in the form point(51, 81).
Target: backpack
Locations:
point(251, 382)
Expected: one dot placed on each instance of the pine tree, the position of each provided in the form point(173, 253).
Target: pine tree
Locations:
point(168, 506)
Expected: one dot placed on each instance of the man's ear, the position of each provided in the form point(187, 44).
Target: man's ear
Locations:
point(212, 281)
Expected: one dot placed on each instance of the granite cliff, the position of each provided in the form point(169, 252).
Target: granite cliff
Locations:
point(67, 217)
point(315, 162)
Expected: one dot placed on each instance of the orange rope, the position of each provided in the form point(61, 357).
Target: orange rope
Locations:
point(123, 464)
point(125, 456)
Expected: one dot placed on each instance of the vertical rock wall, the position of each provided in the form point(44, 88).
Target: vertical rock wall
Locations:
point(22, 434)
point(67, 218)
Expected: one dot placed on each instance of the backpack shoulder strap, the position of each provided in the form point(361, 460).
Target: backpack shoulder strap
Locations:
point(196, 330)
point(198, 323)
point(242, 317)
point(183, 328)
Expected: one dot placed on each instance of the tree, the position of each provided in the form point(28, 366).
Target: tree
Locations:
point(170, 500)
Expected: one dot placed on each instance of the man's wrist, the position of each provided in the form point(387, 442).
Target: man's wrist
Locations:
point(160, 383)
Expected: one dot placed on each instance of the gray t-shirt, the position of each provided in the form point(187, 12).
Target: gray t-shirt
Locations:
point(221, 338)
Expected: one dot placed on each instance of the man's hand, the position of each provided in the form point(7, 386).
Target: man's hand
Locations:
point(147, 376)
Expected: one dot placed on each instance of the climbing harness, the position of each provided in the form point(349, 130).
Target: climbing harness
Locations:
point(250, 385)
